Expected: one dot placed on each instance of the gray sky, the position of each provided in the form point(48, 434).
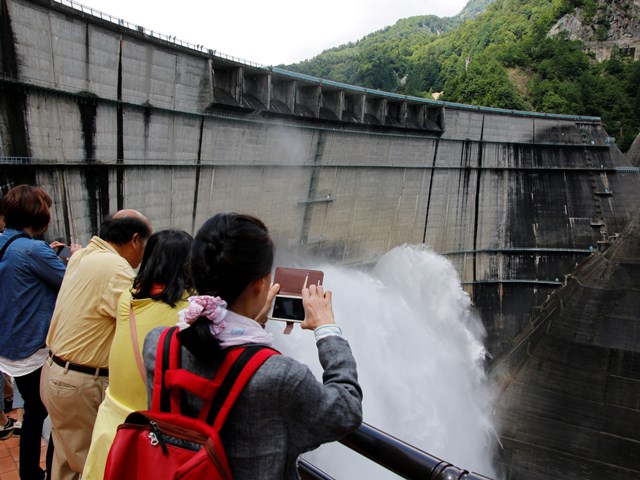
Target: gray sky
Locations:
point(270, 32)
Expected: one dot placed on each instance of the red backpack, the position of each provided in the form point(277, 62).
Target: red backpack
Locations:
point(162, 443)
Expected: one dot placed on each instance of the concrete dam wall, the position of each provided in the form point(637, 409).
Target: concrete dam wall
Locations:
point(571, 401)
point(106, 115)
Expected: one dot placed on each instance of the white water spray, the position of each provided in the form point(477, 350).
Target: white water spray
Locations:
point(420, 355)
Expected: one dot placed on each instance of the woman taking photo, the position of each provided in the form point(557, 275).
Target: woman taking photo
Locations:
point(159, 291)
point(283, 410)
point(30, 277)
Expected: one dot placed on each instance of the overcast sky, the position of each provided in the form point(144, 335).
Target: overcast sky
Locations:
point(270, 32)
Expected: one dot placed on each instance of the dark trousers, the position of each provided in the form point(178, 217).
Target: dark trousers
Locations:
point(31, 435)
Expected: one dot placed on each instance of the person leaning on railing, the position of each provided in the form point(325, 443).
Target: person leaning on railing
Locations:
point(284, 410)
point(30, 277)
point(159, 291)
point(75, 374)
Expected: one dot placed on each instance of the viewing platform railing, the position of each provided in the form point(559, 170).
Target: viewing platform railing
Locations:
point(396, 456)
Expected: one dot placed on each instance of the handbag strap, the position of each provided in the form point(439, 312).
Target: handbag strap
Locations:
point(134, 339)
point(11, 240)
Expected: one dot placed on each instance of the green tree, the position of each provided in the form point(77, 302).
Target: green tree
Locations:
point(484, 82)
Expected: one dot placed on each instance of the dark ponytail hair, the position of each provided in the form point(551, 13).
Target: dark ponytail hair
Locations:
point(164, 262)
point(229, 252)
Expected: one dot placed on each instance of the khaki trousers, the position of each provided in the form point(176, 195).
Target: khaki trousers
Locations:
point(72, 400)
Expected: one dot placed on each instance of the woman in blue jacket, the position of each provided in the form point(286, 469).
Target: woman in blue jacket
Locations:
point(30, 276)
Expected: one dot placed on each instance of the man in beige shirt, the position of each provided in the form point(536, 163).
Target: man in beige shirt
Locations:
point(76, 375)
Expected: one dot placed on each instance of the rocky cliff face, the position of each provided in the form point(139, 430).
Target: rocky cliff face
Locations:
point(603, 25)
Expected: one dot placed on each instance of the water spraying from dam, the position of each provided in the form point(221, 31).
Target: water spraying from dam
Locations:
point(419, 349)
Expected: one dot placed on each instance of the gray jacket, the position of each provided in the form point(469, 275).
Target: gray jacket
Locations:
point(283, 411)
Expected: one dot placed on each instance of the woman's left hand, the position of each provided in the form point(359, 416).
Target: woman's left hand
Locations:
point(262, 318)
point(55, 245)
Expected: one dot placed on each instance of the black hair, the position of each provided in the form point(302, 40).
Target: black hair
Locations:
point(121, 229)
point(164, 262)
point(229, 252)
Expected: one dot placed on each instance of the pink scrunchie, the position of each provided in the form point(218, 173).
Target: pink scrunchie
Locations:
point(214, 308)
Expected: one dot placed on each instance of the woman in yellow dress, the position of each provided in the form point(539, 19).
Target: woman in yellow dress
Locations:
point(159, 291)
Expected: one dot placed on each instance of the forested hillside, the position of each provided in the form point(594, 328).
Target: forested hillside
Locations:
point(518, 54)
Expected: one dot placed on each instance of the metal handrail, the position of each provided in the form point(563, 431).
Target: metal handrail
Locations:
point(526, 281)
point(161, 36)
point(517, 250)
point(627, 169)
point(396, 456)
point(309, 471)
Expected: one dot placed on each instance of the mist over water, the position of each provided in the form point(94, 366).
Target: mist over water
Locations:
point(419, 349)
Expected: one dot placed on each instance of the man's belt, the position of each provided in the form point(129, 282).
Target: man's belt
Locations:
point(101, 372)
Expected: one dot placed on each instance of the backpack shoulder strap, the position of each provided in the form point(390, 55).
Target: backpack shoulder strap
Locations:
point(170, 380)
point(244, 363)
point(167, 357)
point(11, 240)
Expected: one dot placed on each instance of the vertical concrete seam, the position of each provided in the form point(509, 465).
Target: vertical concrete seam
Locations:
point(313, 185)
point(197, 179)
point(87, 63)
point(120, 136)
point(211, 78)
point(432, 172)
point(53, 60)
point(476, 222)
point(65, 211)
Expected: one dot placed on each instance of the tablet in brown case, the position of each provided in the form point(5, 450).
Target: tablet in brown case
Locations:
point(292, 280)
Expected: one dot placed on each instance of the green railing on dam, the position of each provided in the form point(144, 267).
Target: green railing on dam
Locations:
point(59, 89)
point(398, 96)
